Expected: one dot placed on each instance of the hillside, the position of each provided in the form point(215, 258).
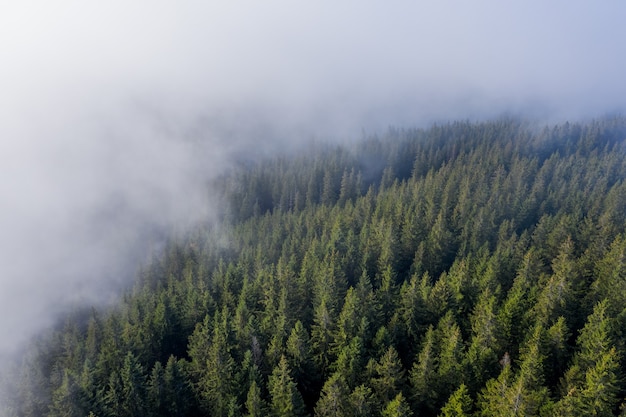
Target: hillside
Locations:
point(463, 269)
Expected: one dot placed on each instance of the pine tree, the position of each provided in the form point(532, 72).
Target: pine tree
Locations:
point(598, 396)
point(482, 354)
point(521, 394)
point(459, 404)
point(298, 354)
point(177, 396)
point(298, 351)
point(413, 295)
point(449, 361)
point(350, 362)
point(361, 402)
point(65, 399)
point(512, 315)
point(133, 392)
point(557, 297)
point(492, 401)
point(591, 384)
point(213, 366)
point(156, 391)
point(423, 376)
point(398, 407)
point(348, 323)
point(321, 337)
point(611, 277)
point(333, 401)
point(286, 400)
point(112, 398)
point(389, 378)
point(255, 405)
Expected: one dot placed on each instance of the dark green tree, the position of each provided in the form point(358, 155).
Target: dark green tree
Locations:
point(65, 399)
point(286, 400)
point(212, 365)
point(388, 379)
point(423, 375)
point(333, 401)
point(459, 404)
point(255, 406)
point(398, 407)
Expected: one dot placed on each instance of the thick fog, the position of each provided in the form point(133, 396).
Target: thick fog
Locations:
point(113, 115)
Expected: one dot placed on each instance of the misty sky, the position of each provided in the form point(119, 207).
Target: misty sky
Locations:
point(114, 114)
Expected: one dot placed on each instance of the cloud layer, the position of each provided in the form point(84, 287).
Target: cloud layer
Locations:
point(114, 114)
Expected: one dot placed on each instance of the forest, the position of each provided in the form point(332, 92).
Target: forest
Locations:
point(464, 269)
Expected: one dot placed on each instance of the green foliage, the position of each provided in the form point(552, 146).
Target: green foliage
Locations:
point(591, 384)
point(63, 403)
point(423, 374)
point(388, 377)
point(212, 366)
point(286, 400)
point(465, 268)
point(398, 407)
point(361, 402)
point(254, 403)
point(334, 398)
point(459, 404)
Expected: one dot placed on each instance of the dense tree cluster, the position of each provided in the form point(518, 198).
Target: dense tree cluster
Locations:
point(465, 269)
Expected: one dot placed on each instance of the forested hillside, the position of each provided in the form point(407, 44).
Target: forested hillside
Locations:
point(465, 269)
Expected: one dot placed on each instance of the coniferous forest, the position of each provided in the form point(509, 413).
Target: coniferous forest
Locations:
point(466, 269)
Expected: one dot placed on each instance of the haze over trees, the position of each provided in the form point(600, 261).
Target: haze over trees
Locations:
point(464, 269)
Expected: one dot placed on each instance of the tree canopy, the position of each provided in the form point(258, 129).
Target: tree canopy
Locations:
point(464, 269)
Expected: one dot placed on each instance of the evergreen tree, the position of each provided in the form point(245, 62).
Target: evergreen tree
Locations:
point(286, 400)
point(298, 351)
point(360, 401)
point(423, 376)
point(449, 362)
point(557, 296)
point(254, 403)
point(350, 362)
point(398, 407)
point(213, 366)
point(133, 389)
point(591, 384)
point(321, 336)
point(65, 399)
point(388, 379)
point(482, 354)
point(334, 399)
point(177, 397)
point(459, 404)
point(520, 394)
point(156, 391)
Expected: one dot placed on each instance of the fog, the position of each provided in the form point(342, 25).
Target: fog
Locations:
point(114, 115)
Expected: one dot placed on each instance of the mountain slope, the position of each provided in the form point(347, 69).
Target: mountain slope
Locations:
point(469, 267)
